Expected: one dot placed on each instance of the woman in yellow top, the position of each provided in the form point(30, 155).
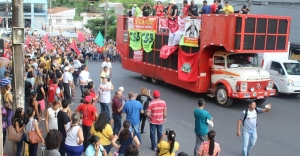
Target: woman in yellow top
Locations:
point(168, 148)
point(103, 130)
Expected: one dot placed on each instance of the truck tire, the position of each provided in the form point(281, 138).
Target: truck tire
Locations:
point(277, 92)
point(145, 78)
point(154, 81)
point(222, 98)
point(260, 101)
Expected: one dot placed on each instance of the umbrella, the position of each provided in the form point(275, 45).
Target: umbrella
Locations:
point(4, 61)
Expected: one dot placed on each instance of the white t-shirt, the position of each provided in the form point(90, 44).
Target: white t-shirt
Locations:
point(108, 65)
point(72, 136)
point(77, 64)
point(84, 76)
point(66, 77)
point(104, 94)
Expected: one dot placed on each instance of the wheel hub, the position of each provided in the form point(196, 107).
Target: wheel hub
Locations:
point(221, 96)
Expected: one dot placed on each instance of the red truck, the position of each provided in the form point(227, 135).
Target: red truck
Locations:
point(226, 64)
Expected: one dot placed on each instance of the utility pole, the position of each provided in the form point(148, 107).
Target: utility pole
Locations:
point(50, 16)
point(106, 13)
point(6, 19)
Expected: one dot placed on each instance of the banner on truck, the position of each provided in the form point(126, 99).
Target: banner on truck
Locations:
point(166, 51)
point(145, 23)
point(175, 36)
point(191, 32)
point(187, 66)
point(138, 56)
point(147, 40)
point(130, 23)
point(135, 39)
point(163, 23)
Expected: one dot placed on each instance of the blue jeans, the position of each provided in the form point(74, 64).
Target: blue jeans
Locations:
point(99, 57)
point(158, 128)
point(117, 123)
point(105, 108)
point(82, 89)
point(74, 150)
point(95, 56)
point(249, 139)
point(20, 145)
point(199, 140)
point(136, 131)
point(107, 148)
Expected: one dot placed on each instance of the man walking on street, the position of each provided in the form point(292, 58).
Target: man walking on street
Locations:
point(77, 69)
point(117, 106)
point(201, 125)
point(157, 111)
point(132, 109)
point(104, 96)
point(249, 120)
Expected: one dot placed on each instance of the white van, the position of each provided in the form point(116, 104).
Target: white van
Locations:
point(284, 72)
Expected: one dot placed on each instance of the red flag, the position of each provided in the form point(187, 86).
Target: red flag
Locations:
point(74, 47)
point(48, 45)
point(27, 41)
point(187, 66)
point(138, 56)
point(173, 24)
point(166, 51)
point(80, 36)
point(45, 38)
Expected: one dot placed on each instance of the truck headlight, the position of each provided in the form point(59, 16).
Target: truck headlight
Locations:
point(270, 85)
point(252, 89)
point(290, 82)
point(244, 86)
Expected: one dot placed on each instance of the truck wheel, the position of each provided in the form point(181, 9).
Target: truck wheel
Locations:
point(154, 81)
point(277, 92)
point(145, 78)
point(260, 101)
point(222, 98)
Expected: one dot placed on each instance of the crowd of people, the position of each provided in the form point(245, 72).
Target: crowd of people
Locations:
point(171, 10)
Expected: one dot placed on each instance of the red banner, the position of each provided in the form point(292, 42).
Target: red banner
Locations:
point(163, 23)
point(166, 51)
point(187, 66)
point(145, 23)
point(138, 56)
point(173, 24)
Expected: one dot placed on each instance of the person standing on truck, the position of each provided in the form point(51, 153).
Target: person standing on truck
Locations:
point(137, 11)
point(249, 120)
point(201, 125)
point(185, 9)
point(172, 11)
point(146, 8)
point(193, 10)
point(228, 9)
point(159, 9)
point(205, 8)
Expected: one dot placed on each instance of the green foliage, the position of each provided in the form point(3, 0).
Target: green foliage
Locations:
point(128, 3)
point(96, 25)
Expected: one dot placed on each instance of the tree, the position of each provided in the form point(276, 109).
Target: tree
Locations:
point(96, 25)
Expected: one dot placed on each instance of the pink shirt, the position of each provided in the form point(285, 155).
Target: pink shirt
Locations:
point(204, 148)
point(156, 109)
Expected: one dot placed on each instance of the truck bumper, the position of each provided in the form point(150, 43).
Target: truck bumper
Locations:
point(253, 95)
point(290, 90)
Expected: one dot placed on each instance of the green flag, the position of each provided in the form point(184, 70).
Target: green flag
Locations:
point(135, 40)
point(147, 40)
point(99, 40)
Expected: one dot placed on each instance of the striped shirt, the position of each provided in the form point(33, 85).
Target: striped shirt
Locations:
point(4, 82)
point(156, 109)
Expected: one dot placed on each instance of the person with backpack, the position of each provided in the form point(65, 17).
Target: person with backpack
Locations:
point(249, 120)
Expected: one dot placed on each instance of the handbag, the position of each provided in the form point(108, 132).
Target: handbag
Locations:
point(13, 135)
point(33, 137)
point(7, 103)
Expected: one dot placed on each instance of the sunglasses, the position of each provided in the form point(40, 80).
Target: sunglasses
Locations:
point(55, 114)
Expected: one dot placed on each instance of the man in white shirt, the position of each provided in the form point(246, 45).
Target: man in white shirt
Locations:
point(107, 64)
point(67, 80)
point(83, 78)
point(104, 96)
point(77, 65)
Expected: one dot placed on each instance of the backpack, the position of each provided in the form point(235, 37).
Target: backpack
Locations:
point(246, 114)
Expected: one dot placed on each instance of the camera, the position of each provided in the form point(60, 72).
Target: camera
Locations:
point(167, 131)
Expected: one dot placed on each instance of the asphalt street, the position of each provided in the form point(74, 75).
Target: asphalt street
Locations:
point(277, 129)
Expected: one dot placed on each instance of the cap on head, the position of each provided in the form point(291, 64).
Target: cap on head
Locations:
point(172, 2)
point(88, 99)
point(134, 5)
point(156, 94)
point(121, 89)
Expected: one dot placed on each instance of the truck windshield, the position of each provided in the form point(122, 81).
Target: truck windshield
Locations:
point(292, 68)
point(242, 60)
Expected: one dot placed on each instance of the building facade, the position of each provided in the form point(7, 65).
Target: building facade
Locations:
point(61, 18)
point(35, 14)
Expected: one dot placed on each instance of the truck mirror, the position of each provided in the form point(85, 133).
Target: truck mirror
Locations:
point(210, 62)
point(281, 72)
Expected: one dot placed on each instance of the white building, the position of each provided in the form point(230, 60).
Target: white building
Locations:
point(117, 7)
point(62, 18)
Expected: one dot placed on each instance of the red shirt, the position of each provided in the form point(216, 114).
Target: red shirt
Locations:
point(52, 92)
point(99, 50)
point(159, 10)
point(88, 112)
point(92, 93)
point(185, 10)
point(213, 8)
point(116, 104)
point(156, 109)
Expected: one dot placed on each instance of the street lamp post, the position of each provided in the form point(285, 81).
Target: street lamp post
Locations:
point(105, 32)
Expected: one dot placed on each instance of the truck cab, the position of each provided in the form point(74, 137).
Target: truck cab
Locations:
point(238, 75)
point(286, 76)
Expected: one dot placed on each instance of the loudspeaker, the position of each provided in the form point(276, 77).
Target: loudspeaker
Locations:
point(1, 46)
